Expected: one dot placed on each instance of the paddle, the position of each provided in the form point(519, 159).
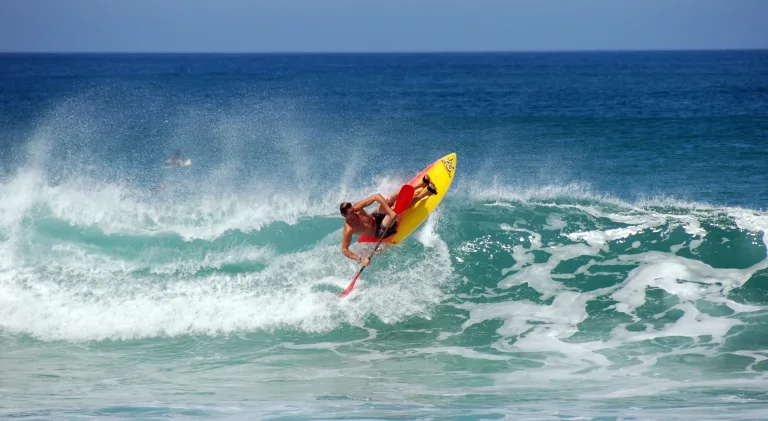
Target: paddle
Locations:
point(403, 201)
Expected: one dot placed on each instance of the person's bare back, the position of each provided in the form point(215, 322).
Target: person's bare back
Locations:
point(364, 224)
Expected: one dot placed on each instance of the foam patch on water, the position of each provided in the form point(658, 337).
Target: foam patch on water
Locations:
point(687, 279)
point(92, 297)
point(548, 332)
point(693, 324)
point(555, 222)
point(539, 276)
point(212, 260)
point(599, 238)
point(426, 233)
point(117, 209)
point(496, 191)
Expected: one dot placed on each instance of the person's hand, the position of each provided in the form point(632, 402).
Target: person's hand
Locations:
point(365, 261)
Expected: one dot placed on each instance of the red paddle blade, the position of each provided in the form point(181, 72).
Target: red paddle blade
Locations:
point(352, 285)
point(403, 202)
point(404, 199)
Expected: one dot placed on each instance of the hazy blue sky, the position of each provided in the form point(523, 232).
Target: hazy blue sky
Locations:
point(384, 25)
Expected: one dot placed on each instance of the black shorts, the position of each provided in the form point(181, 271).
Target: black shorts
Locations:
point(379, 218)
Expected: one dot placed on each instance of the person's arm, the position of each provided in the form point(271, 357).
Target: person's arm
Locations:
point(346, 239)
point(374, 198)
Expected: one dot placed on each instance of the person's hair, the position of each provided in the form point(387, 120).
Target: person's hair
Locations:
point(344, 208)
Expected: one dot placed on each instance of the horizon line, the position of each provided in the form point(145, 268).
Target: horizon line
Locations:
point(383, 52)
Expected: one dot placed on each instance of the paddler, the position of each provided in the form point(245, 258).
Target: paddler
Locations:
point(358, 222)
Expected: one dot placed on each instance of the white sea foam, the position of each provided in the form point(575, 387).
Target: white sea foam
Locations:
point(548, 329)
point(87, 296)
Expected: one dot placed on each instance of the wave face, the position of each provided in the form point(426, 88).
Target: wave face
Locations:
point(587, 264)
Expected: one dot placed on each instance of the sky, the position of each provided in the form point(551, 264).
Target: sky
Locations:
point(380, 25)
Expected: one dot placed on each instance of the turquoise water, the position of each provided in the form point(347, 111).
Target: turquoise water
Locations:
point(601, 254)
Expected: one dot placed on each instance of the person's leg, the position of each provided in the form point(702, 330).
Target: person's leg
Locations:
point(424, 189)
point(382, 218)
point(390, 201)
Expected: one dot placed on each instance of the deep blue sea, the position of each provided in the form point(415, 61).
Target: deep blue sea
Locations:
point(601, 254)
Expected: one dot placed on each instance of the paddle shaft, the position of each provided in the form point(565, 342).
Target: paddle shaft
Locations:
point(371, 255)
point(352, 284)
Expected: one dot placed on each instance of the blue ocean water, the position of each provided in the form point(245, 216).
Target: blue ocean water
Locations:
point(601, 253)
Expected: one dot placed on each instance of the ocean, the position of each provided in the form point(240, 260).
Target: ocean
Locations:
point(601, 254)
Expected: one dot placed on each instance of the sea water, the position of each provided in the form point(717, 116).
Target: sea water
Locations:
point(600, 255)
